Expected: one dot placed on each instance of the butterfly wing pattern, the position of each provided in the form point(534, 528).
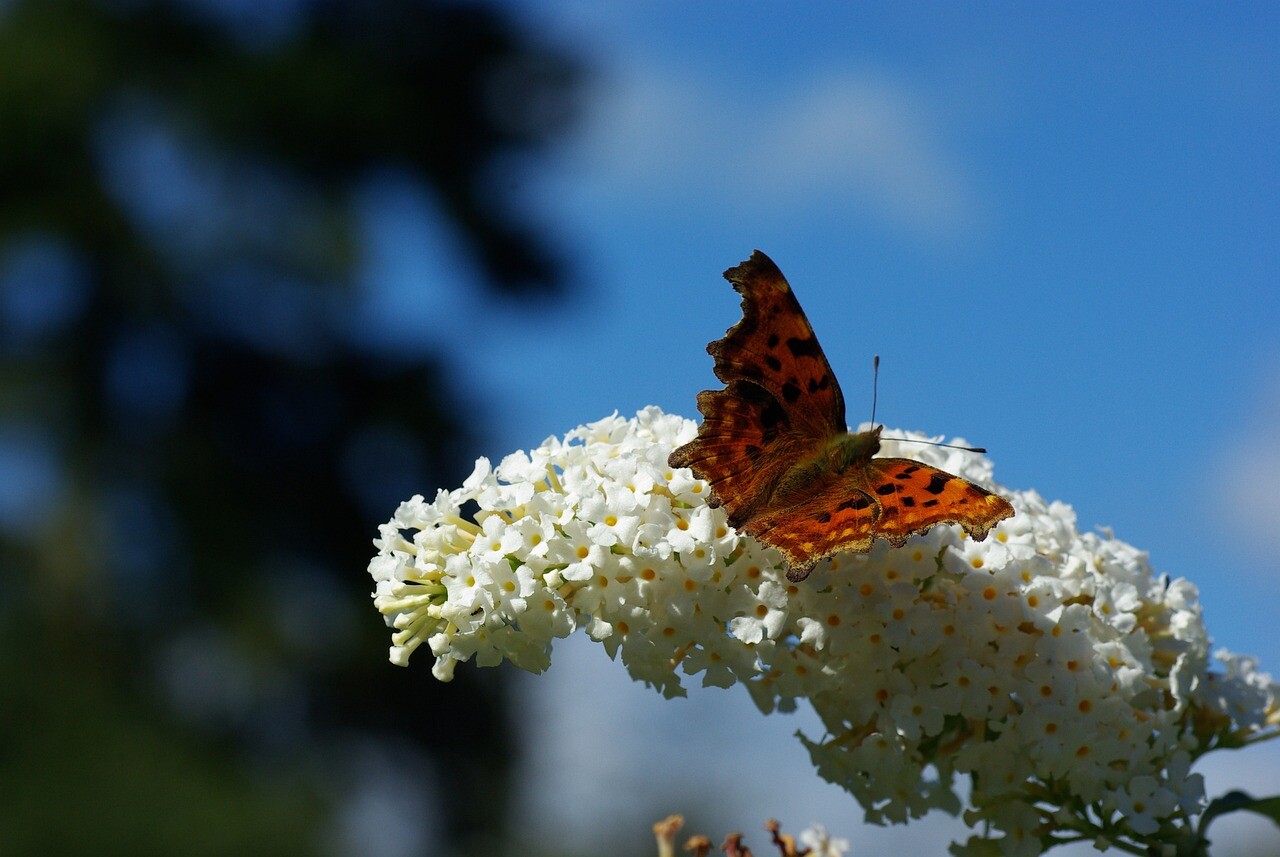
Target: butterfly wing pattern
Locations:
point(780, 403)
point(774, 447)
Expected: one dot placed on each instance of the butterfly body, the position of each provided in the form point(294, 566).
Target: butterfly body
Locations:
point(775, 449)
point(833, 456)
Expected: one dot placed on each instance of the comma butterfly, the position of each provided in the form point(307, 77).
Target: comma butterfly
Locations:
point(779, 457)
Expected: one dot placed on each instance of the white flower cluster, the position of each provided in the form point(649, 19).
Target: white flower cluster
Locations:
point(1050, 666)
point(822, 844)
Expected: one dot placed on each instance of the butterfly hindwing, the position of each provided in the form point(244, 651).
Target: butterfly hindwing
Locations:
point(837, 517)
point(744, 445)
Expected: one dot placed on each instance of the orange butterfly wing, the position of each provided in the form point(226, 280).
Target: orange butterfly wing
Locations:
point(774, 347)
point(780, 402)
point(890, 498)
point(766, 442)
point(745, 445)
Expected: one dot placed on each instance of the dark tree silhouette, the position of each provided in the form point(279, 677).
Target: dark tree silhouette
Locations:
point(200, 442)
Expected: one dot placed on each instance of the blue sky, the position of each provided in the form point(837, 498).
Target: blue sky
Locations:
point(1056, 225)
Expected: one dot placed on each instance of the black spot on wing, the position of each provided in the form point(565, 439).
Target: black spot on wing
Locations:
point(773, 340)
point(773, 362)
point(928, 503)
point(772, 419)
point(857, 503)
point(937, 482)
point(817, 384)
point(906, 474)
point(807, 347)
point(790, 391)
point(909, 502)
point(886, 489)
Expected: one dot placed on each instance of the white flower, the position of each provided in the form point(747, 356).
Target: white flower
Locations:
point(1052, 666)
point(1246, 695)
point(822, 844)
point(497, 539)
point(761, 612)
point(580, 556)
point(1143, 802)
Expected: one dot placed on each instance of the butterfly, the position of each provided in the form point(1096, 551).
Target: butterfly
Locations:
point(776, 451)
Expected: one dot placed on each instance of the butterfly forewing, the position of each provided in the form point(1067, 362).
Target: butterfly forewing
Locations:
point(774, 346)
point(889, 498)
point(914, 496)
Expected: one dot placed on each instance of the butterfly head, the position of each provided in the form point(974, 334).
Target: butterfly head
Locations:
point(853, 447)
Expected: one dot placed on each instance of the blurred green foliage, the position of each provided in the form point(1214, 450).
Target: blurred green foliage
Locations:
point(198, 440)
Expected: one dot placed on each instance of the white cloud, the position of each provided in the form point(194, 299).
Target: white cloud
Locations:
point(858, 141)
point(872, 138)
point(1245, 477)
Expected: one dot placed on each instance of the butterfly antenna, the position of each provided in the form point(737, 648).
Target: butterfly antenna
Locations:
point(937, 443)
point(875, 387)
